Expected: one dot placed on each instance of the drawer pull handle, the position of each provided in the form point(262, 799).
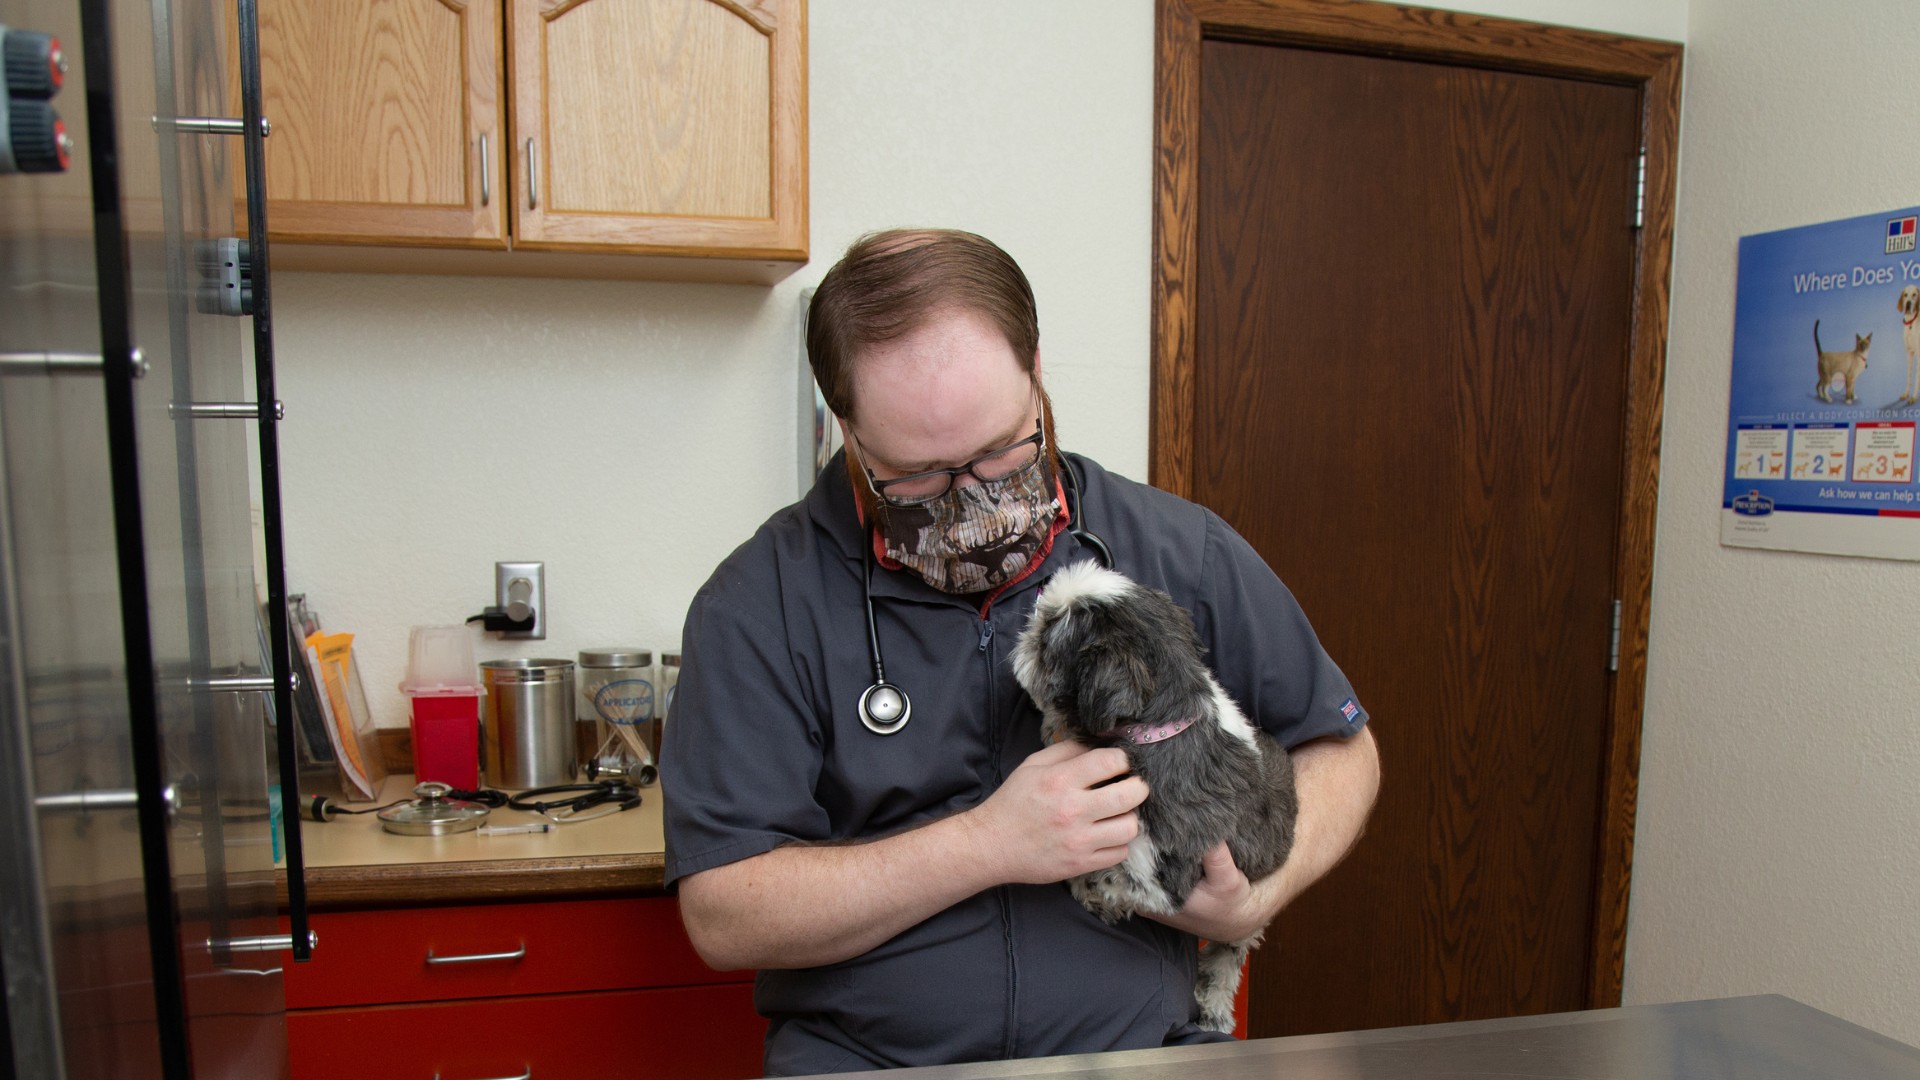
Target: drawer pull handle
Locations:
point(476, 958)
point(528, 1075)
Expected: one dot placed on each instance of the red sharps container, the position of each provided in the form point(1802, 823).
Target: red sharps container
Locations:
point(444, 689)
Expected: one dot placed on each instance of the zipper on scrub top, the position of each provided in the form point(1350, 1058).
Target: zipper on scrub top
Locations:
point(993, 703)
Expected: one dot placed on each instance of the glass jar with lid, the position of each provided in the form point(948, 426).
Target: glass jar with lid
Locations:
point(617, 696)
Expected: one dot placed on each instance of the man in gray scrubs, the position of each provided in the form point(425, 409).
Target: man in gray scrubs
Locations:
point(897, 879)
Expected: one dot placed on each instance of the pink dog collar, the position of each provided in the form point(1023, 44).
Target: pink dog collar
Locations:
point(1140, 734)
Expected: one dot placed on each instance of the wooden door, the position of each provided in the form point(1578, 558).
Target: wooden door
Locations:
point(1410, 380)
point(661, 126)
point(387, 124)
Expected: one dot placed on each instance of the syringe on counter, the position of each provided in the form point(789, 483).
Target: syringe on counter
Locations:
point(497, 830)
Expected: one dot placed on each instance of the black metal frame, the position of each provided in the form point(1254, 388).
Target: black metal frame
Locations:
point(116, 351)
point(278, 633)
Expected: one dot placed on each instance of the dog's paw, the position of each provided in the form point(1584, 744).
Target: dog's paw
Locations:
point(1099, 893)
point(1218, 1022)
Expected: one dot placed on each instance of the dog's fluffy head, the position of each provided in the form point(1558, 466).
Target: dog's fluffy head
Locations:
point(1102, 650)
point(1910, 301)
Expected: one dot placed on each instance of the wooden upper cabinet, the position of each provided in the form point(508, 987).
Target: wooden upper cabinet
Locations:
point(660, 126)
point(635, 138)
point(387, 122)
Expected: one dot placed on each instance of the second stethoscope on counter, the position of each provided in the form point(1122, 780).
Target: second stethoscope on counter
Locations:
point(885, 708)
point(441, 809)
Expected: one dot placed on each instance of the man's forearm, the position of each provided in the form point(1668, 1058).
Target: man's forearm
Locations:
point(1056, 816)
point(806, 905)
point(1337, 780)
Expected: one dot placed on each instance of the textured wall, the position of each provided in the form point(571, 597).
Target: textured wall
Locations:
point(1779, 826)
point(1664, 19)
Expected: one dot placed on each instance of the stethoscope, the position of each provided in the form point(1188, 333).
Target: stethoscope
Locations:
point(885, 708)
point(610, 795)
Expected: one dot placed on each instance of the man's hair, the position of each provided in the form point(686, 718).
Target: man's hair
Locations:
point(889, 283)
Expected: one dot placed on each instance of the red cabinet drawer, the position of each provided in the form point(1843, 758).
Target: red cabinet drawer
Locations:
point(381, 957)
point(687, 1033)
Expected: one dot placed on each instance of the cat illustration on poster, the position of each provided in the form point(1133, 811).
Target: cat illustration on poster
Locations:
point(1849, 365)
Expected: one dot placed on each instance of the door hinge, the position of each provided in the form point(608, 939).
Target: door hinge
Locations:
point(1613, 642)
point(1640, 191)
point(226, 276)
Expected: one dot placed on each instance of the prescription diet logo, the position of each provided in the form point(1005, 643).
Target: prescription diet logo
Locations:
point(1900, 235)
point(1753, 504)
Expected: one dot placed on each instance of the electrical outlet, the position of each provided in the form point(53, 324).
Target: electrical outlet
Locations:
point(520, 590)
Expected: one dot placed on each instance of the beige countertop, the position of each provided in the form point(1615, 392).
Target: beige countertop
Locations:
point(354, 862)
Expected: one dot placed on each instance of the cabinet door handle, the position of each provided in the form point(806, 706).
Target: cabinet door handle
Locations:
point(528, 1075)
point(475, 958)
point(486, 188)
point(533, 177)
point(64, 363)
point(212, 125)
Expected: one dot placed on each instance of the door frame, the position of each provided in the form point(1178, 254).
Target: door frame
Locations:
point(1386, 30)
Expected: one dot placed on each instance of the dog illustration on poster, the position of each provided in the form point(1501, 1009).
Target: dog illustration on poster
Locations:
point(1910, 333)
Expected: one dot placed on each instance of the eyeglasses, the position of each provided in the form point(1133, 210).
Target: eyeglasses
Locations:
point(924, 487)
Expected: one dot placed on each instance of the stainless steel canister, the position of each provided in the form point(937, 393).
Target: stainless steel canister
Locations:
point(528, 734)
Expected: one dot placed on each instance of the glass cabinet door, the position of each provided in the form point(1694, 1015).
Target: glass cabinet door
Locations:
point(193, 451)
point(75, 730)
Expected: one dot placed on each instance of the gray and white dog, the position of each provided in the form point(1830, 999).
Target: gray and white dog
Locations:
point(1111, 662)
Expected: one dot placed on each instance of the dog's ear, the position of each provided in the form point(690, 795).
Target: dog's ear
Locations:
point(1037, 658)
point(1093, 671)
point(1116, 682)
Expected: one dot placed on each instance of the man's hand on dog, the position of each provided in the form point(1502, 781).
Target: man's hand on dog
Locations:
point(1223, 906)
point(1057, 816)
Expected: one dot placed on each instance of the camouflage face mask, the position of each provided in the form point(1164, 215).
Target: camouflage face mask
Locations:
point(978, 537)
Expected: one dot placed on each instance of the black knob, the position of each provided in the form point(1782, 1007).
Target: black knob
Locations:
point(36, 67)
point(39, 137)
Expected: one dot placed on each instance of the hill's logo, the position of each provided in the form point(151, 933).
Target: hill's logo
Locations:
point(1900, 235)
point(1752, 504)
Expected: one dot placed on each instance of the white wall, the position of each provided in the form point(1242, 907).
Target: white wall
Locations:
point(631, 434)
point(1664, 19)
point(1779, 825)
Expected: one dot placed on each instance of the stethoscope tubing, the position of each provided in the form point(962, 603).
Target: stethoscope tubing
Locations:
point(613, 795)
point(885, 708)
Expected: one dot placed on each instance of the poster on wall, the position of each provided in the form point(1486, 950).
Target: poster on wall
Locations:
point(1826, 390)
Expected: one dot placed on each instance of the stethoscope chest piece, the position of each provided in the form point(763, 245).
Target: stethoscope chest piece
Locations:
point(884, 709)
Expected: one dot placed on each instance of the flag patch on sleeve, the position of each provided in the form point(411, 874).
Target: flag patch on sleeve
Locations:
point(1349, 710)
